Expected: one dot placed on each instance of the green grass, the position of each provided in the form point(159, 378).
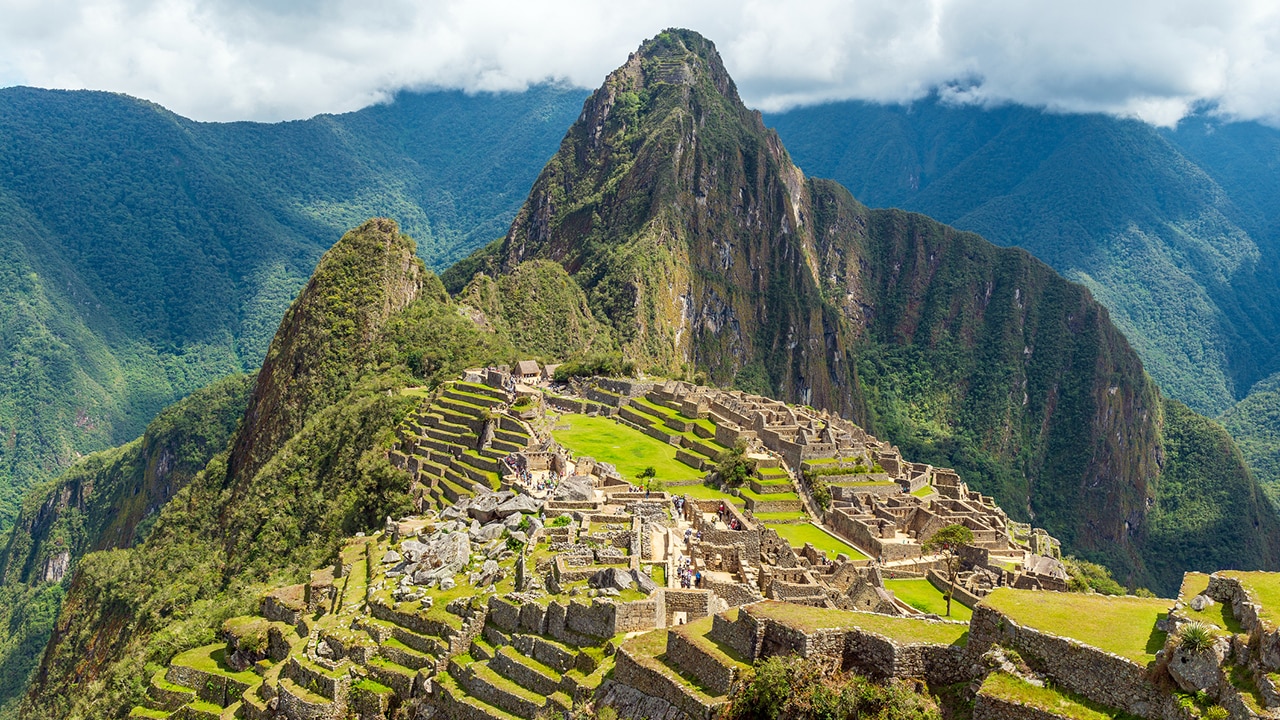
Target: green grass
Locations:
point(651, 408)
point(1217, 615)
point(1263, 589)
point(925, 491)
point(630, 450)
point(1124, 626)
point(781, 517)
point(757, 497)
point(705, 492)
point(907, 630)
point(659, 574)
point(1051, 700)
point(800, 533)
point(212, 659)
point(920, 594)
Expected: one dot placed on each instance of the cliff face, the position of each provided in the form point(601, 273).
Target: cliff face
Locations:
point(695, 237)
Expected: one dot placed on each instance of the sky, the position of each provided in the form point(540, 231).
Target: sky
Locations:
point(272, 60)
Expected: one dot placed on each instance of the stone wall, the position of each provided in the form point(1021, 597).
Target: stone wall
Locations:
point(739, 635)
point(694, 603)
point(986, 707)
point(632, 672)
point(687, 655)
point(1095, 674)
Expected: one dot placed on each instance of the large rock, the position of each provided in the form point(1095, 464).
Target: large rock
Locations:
point(519, 504)
point(1200, 602)
point(489, 532)
point(575, 488)
point(1198, 671)
point(413, 550)
point(644, 582)
point(615, 578)
point(484, 508)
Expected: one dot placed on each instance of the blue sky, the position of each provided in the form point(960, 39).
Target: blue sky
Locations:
point(285, 59)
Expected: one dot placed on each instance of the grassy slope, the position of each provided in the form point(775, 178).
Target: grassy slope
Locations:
point(630, 450)
point(1121, 625)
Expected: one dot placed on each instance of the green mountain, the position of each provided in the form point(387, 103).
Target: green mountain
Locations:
point(106, 500)
point(306, 466)
point(700, 244)
point(671, 227)
point(1176, 231)
point(143, 255)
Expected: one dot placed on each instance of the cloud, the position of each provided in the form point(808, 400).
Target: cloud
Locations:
point(283, 59)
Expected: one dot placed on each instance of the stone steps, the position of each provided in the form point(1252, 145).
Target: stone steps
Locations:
point(466, 396)
point(464, 706)
point(381, 630)
point(394, 675)
point(512, 437)
point(479, 389)
point(399, 653)
point(525, 672)
point(482, 682)
point(297, 701)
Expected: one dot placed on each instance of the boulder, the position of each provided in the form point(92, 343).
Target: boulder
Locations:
point(644, 582)
point(488, 533)
point(484, 508)
point(518, 504)
point(391, 556)
point(575, 488)
point(1200, 602)
point(1198, 671)
point(413, 550)
point(448, 584)
point(615, 578)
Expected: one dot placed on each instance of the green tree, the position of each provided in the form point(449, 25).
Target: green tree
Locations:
point(647, 476)
point(948, 542)
point(732, 466)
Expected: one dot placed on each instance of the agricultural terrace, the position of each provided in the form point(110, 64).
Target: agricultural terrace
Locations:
point(1054, 701)
point(901, 629)
point(628, 449)
point(1216, 615)
point(798, 534)
point(1125, 626)
point(920, 594)
point(1263, 589)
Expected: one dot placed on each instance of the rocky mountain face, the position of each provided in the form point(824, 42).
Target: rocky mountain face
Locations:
point(704, 248)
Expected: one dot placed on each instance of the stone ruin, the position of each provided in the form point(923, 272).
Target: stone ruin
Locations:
point(519, 583)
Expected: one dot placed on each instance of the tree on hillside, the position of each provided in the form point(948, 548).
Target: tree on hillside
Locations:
point(948, 542)
point(647, 476)
point(732, 466)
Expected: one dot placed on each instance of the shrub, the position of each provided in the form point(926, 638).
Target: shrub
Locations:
point(1195, 638)
point(732, 466)
point(560, 521)
point(796, 689)
point(821, 493)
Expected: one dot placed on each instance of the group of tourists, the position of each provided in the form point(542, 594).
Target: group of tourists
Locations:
point(688, 576)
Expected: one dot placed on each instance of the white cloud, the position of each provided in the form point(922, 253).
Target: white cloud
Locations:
point(241, 59)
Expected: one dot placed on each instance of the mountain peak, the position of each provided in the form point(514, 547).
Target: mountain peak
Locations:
point(676, 57)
